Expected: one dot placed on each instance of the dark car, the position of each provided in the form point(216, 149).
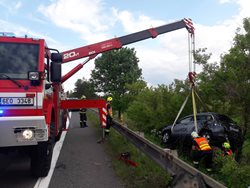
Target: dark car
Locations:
point(215, 127)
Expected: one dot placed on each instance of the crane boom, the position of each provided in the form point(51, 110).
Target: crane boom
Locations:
point(117, 43)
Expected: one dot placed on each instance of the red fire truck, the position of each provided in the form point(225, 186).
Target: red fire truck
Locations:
point(32, 105)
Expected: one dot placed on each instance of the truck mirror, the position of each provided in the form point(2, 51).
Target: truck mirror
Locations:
point(56, 71)
point(47, 86)
point(56, 57)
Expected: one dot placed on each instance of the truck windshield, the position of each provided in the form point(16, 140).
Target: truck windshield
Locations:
point(17, 59)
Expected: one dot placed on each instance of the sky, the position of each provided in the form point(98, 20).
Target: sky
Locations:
point(69, 24)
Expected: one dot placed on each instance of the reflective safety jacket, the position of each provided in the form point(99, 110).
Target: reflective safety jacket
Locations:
point(202, 144)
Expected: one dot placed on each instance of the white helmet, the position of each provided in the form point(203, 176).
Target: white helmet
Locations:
point(194, 134)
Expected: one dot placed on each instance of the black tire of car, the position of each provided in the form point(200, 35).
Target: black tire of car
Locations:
point(165, 137)
point(41, 155)
point(165, 140)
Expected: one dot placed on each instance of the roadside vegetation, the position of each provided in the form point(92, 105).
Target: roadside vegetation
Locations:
point(223, 86)
point(146, 174)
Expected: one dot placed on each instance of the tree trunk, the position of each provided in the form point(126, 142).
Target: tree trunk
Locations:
point(119, 114)
point(246, 121)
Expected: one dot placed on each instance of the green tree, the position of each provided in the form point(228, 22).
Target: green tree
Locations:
point(227, 85)
point(208, 86)
point(235, 67)
point(83, 87)
point(113, 71)
point(156, 107)
point(180, 89)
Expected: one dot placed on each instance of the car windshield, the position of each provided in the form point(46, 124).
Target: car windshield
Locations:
point(18, 59)
point(203, 118)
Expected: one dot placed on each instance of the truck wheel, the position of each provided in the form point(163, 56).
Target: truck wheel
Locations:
point(61, 128)
point(41, 156)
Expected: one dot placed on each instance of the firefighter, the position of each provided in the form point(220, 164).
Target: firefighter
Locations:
point(201, 150)
point(226, 148)
point(83, 115)
point(109, 116)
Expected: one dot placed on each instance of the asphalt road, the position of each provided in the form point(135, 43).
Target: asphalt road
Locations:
point(82, 163)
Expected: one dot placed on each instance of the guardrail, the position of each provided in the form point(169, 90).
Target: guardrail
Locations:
point(184, 174)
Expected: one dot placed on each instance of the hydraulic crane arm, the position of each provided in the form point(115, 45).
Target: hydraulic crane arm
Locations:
point(117, 43)
point(154, 32)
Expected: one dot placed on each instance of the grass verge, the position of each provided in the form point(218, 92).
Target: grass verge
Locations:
point(146, 174)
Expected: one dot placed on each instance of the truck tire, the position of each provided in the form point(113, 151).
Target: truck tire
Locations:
point(62, 127)
point(41, 156)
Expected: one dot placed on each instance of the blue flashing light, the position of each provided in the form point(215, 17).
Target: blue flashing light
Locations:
point(1, 112)
point(7, 34)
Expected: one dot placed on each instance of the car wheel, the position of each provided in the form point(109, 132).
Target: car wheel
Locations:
point(206, 134)
point(166, 137)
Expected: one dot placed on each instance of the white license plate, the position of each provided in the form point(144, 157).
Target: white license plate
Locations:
point(4, 101)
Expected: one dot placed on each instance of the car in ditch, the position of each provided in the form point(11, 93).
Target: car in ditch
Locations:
point(217, 128)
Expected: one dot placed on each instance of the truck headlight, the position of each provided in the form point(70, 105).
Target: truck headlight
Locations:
point(28, 134)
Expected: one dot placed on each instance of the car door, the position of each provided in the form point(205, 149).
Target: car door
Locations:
point(181, 127)
point(190, 127)
point(201, 121)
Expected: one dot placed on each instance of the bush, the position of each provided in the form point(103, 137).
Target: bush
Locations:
point(231, 173)
point(246, 153)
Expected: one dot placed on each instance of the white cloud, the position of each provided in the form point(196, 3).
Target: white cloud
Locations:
point(22, 31)
point(244, 8)
point(224, 1)
point(131, 23)
point(88, 18)
point(17, 5)
point(12, 7)
point(219, 38)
